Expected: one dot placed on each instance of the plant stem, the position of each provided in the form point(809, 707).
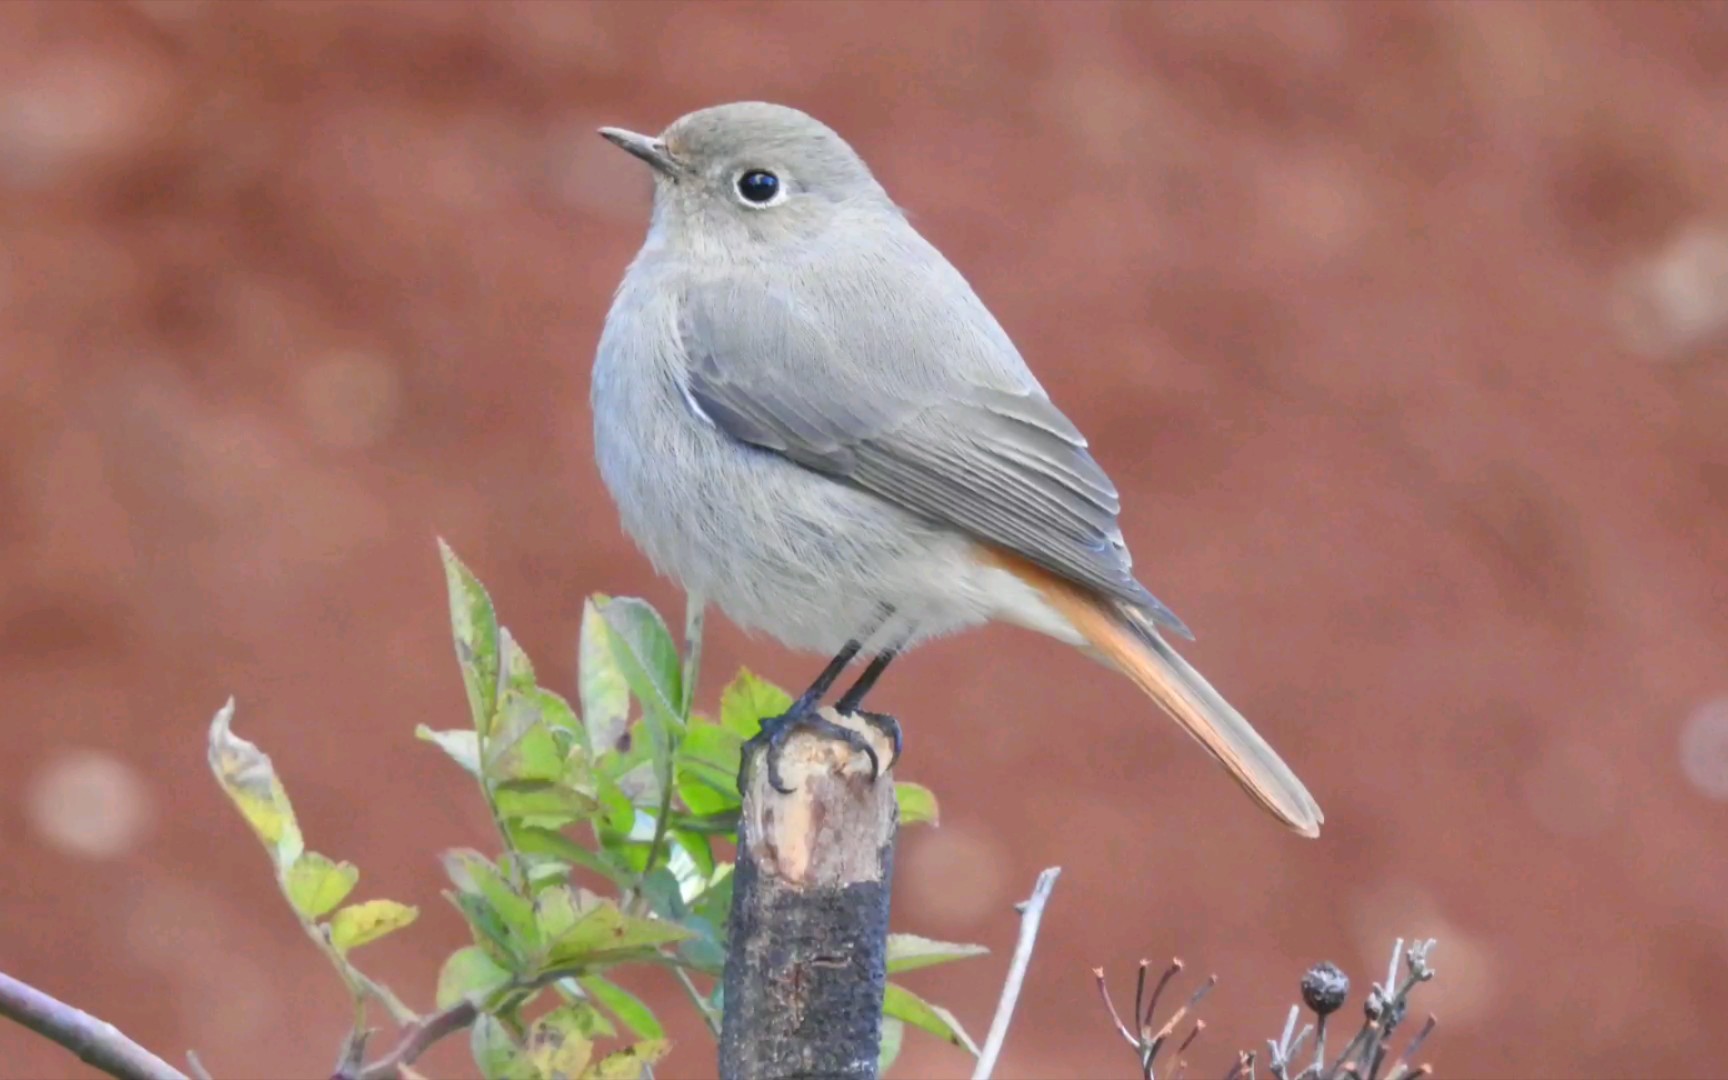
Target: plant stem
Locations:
point(97, 1043)
point(698, 1000)
point(1031, 914)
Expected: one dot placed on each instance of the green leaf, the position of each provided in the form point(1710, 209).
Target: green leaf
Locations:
point(701, 853)
point(630, 1063)
point(748, 701)
point(490, 932)
point(248, 778)
point(581, 929)
point(521, 746)
point(600, 681)
point(474, 875)
point(708, 769)
point(909, 952)
point(715, 902)
point(665, 897)
point(542, 804)
point(627, 1007)
point(902, 1004)
point(359, 924)
point(496, 1053)
point(474, 626)
point(619, 808)
point(705, 951)
point(645, 653)
point(893, 1031)
point(469, 972)
point(549, 844)
point(556, 712)
point(315, 885)
point(917, 803)
point(462, 746)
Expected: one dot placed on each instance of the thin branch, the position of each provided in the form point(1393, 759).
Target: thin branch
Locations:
point(1116, 1017)
point(420, 1038)
point(97, 1043)
point(1031, 914)
point(698, 1000)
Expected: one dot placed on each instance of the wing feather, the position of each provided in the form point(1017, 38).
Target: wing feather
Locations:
point(1001, 464)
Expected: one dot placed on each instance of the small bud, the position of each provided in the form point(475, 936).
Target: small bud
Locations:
point(1375, 1008)
point(1324, 988)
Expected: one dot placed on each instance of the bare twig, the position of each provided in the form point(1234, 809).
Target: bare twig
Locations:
point(1031, 914)
point(97, 1043)
point(1116, 1017)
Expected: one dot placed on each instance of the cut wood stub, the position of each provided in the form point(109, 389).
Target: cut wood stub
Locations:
point(807, 963)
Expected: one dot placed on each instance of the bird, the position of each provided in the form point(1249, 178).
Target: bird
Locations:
point(807, 417)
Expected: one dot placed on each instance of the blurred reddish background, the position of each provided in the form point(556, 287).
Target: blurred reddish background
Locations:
point(1403, 328)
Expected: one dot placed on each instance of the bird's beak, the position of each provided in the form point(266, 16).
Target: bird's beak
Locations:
point(646, 147)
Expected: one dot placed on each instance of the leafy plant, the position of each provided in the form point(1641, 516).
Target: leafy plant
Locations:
point(614, 822)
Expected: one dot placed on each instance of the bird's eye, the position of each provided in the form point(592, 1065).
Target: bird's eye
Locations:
point(759, 187)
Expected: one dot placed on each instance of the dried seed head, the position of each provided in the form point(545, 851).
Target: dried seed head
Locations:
point(1324, 988)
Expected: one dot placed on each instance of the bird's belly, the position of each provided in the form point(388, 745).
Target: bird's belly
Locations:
point(786, 551)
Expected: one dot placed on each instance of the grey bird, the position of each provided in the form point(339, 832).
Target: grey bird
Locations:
point(808, 418)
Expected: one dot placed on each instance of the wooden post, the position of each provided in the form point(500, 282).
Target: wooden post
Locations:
point(808, 955)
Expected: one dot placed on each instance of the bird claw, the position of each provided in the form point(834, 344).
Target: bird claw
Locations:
point(885, 726)
point(776, 730)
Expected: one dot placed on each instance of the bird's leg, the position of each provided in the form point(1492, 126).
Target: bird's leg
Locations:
point(851, 699)
point(813, 695)
point(803, 716)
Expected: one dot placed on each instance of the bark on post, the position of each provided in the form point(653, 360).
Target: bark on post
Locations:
point(809, 931)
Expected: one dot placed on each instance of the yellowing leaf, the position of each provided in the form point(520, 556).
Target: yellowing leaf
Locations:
point(245, 773)
point(315, 885)
point(468, 971)
point(543, 805)
point(474, 626)
point(358, 924)
point(631, 1063)
point(515, 669)
point(605, 696)
point(557, 1049)
point(917, 803)
point(521, 746)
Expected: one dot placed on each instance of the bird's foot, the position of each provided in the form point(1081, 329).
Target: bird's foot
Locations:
point(885, 726)
point(777, 730)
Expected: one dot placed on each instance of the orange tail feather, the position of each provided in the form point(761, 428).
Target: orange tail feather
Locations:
point(1134, 647)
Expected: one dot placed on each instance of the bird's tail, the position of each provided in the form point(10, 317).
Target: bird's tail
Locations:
point(1127, 641)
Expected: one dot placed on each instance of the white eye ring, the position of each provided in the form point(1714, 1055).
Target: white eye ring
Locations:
point(759, 189)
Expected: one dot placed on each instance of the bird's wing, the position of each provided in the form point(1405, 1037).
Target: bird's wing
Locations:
point(1000, 464)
